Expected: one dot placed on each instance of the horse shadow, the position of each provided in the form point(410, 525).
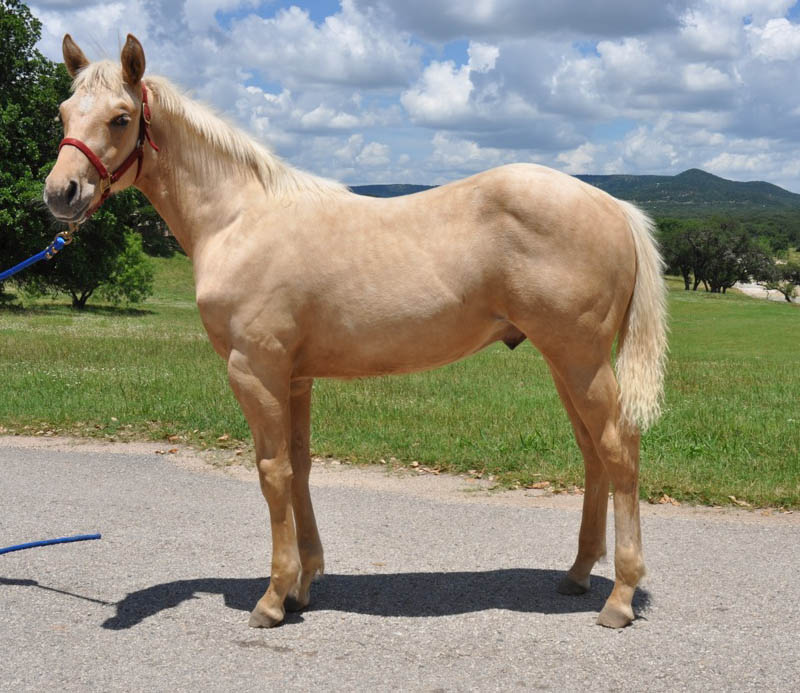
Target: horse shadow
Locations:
point(420, 595)
point(24, 582)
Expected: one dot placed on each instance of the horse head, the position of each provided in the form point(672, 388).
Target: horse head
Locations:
point(106, 122)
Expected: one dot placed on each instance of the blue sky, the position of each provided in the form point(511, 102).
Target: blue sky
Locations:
point(415, 91)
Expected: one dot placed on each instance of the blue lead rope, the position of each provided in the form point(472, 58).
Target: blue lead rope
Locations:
point(48, 542)
point(62, 239)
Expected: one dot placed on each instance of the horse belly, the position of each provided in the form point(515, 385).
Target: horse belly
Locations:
point(347, 349)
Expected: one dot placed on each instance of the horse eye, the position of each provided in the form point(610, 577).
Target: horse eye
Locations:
point(121, 120)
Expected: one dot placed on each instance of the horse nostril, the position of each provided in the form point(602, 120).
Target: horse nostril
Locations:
point(72, 191)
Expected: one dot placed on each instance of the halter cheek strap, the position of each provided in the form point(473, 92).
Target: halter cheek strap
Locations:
point(108, 179)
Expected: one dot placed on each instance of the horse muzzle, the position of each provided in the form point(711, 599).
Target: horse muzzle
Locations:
point(68, 197)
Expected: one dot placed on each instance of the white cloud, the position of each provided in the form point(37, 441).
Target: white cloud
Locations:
point(645, 149)
point(704, 78)
point(778, 39)
point(441, 95)
point(482, 56)
point(482, 19)
point(475, 98)
point(630, 59)
point(758, 10)
point(324, 118)
point(756, 159)
point(374, 154)
point(465, 156)
point(96, 26)
point(352, 148)
point(350, 47)
point(371, 154)
point(711, 32)
point(737, 163)
point(582, 159)
point(200, 15)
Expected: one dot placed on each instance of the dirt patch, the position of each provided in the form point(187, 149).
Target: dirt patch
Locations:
point(758, 291)
point(394, 479)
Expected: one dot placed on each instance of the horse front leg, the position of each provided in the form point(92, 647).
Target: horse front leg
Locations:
point(308, 542)
point(264, 399)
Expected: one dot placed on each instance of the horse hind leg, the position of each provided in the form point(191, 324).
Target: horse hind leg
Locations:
point(593, 393)
point(592, 536)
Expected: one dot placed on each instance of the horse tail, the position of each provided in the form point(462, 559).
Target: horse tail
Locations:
point(642, 343)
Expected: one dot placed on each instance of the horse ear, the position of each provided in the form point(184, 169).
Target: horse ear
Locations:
point(132, 61)
point(74, 59)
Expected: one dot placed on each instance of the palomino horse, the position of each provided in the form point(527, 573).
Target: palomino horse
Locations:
point(298, 278)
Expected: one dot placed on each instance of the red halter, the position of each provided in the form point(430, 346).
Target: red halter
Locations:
point(108, 179)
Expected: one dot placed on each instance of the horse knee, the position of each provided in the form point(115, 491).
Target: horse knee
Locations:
point(277, 471)
point(275, 476)
point(620, 460)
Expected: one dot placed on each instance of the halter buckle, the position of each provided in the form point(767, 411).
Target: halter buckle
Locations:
point(69, 234)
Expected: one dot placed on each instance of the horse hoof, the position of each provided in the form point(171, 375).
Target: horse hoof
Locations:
point(615, 616)
point(572, 588)
point(261, 617)
point(296, 603)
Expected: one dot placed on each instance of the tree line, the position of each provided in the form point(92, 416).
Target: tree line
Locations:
point(110, 254)
point(717, 253)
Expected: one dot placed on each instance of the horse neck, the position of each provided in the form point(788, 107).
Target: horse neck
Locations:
point(192, 186)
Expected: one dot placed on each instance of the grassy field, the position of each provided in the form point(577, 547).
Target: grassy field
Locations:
point(731, 425)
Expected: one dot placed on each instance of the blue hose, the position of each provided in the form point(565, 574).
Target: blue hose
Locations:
point(58, 243)
point(47, 542)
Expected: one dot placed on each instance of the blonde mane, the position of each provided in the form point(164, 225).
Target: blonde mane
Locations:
point(206, 133)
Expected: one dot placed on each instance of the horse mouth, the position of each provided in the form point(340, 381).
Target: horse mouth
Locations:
point(76, 217)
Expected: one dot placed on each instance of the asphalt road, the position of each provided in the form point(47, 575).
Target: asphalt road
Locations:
point(428, 587)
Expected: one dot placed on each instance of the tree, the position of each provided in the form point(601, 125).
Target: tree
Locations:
point(157, 241)
point(102, 256)
point(785, 277)
point(716, 253)
point(131, 281)
point(723, 254)
point(733, 257)
point(31, 88)
point(675, 247)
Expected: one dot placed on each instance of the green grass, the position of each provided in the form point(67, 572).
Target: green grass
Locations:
point(731, 425)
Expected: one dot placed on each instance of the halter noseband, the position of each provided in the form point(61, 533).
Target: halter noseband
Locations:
point(108, 179)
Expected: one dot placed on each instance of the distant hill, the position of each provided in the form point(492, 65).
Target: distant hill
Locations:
point(693, 193)
point(696, 193)
point(394, 190)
